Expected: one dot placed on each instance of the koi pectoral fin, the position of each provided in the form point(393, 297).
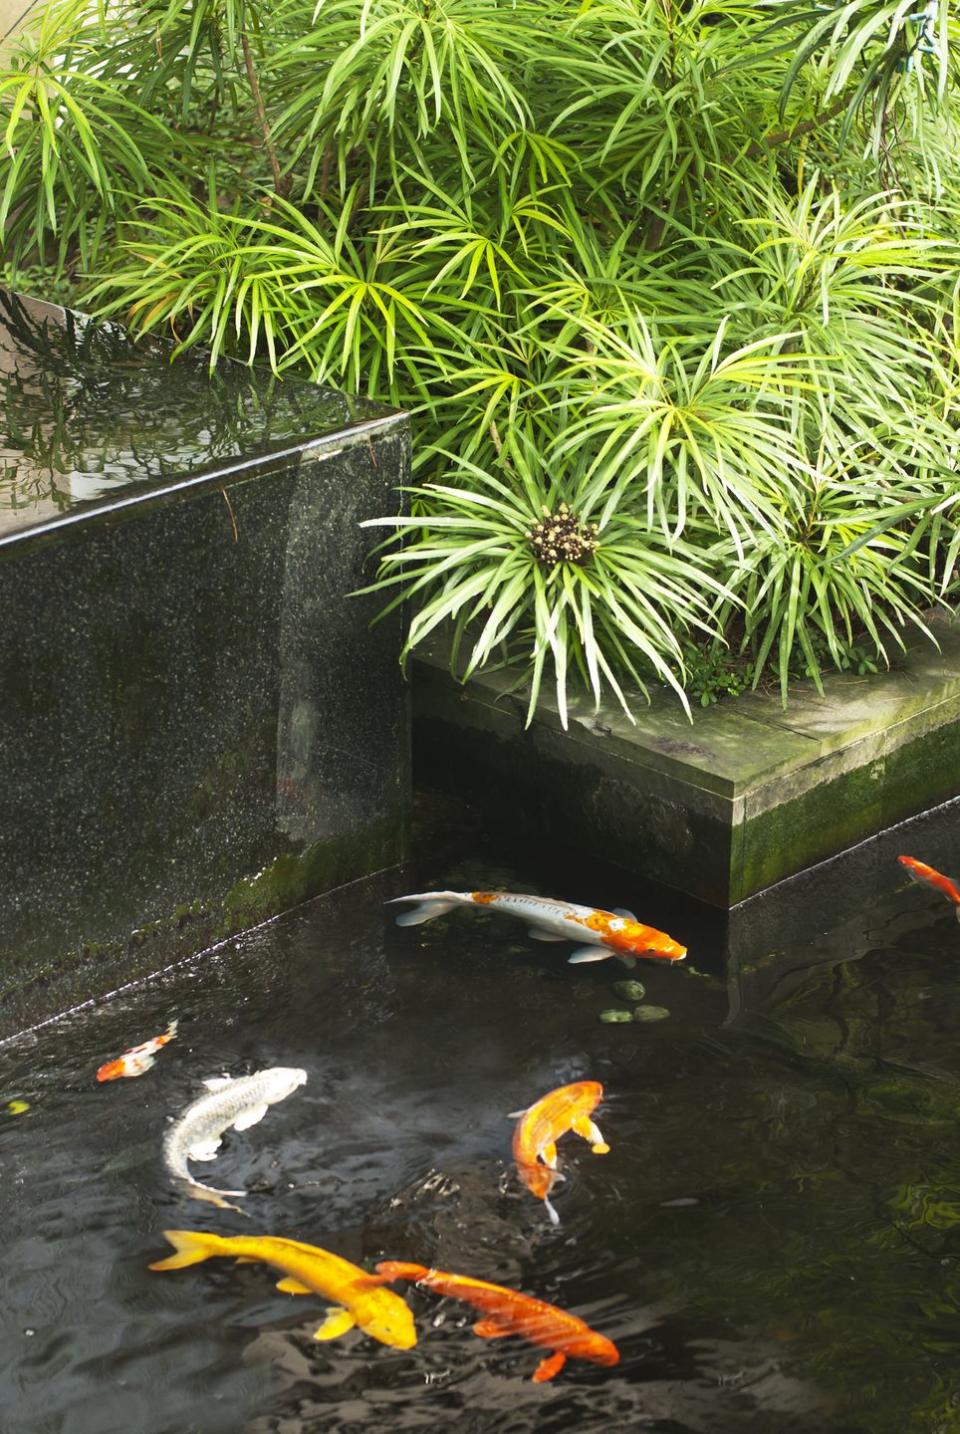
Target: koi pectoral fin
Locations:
point(583, 954)
point(628, 961)
point(539, 934)
point(549, 1367)
point(204, 1150)
point(585, 1128)
point(250, 1117)
point(337, 1322)
point(549, 1155)
point(490, 1329)
point(290, 1286)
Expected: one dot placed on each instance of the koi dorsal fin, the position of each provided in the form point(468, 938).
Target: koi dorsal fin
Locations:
point(622, 911)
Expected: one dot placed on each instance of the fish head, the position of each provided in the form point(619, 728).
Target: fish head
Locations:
point(112, 1070)
point(592, 1346)
point(539, 1179)
point(586, 1094)
point(281, 1081)
point(387, 1318)
point(648, 941)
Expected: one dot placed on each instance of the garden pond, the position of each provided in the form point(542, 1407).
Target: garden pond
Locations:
point(772, 1241)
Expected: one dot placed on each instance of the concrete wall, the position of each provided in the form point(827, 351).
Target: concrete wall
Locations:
point(14, 15)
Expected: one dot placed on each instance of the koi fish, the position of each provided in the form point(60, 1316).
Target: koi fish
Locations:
point(927, 876)
point(356, 1297)
point(138, 1058)
point(239, 1102)
point(606, 933)
point(541, 1126)
point(510, 1312)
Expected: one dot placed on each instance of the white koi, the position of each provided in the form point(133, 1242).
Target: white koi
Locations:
point(603, 933)
point(239, 1102)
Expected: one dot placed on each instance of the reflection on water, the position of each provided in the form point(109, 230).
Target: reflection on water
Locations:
point(85, 411)
point(771, 1242)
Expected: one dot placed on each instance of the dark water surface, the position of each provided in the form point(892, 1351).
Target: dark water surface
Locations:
point(772, 1241)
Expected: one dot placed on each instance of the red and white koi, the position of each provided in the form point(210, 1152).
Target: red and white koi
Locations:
point(538, 1129)
point(603, 933)
point(928, 876)
point(138, 1059)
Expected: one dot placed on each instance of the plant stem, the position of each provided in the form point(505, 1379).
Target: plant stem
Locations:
point(278, 180)
point(781, 136)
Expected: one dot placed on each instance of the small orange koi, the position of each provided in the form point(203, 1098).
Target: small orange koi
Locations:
point(927, 876)
point(606, 933)
point(138, 1059)
point(510, 1312)
point(541, 1126)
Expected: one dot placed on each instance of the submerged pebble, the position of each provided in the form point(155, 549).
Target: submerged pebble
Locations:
point(651, 1013)
point(616, 1016)
point(632, 990)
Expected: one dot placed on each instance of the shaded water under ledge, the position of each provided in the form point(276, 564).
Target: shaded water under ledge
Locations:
point(772, 1241)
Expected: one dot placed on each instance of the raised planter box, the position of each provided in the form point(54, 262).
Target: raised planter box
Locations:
point(723, 807)
point(197, 727)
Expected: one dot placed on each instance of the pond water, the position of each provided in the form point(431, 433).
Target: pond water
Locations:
point(772, 1241)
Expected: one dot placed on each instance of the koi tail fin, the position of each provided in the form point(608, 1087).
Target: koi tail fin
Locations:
point(171, 1031)
point(400, 1270)
point(431, 905)
point(195, 1191)
point(191, 1246)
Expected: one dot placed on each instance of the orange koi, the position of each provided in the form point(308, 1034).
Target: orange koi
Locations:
point(605, 933)
point(138, 1059)
point(541, 1126)
point(510, 1312)
point(928, 876)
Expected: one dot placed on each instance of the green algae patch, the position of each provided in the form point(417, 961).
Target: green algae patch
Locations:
point(294, 877)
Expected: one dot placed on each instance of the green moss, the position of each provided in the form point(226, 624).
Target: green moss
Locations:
point(808, 828)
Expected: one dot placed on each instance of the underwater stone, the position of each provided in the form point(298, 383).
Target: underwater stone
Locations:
point(651, 1013)
point(616, 1016)
point(631, 990)
point(199, 728)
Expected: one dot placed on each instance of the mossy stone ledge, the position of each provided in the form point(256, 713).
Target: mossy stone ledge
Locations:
point(721, 808)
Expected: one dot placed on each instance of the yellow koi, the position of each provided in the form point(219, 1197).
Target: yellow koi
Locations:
point(357, 1298)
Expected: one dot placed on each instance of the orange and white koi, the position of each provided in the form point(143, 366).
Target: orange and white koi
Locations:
point(510, 1312)
point(604, 933)
point(540, 1127)
point(138, 1059)
point(928, 876)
